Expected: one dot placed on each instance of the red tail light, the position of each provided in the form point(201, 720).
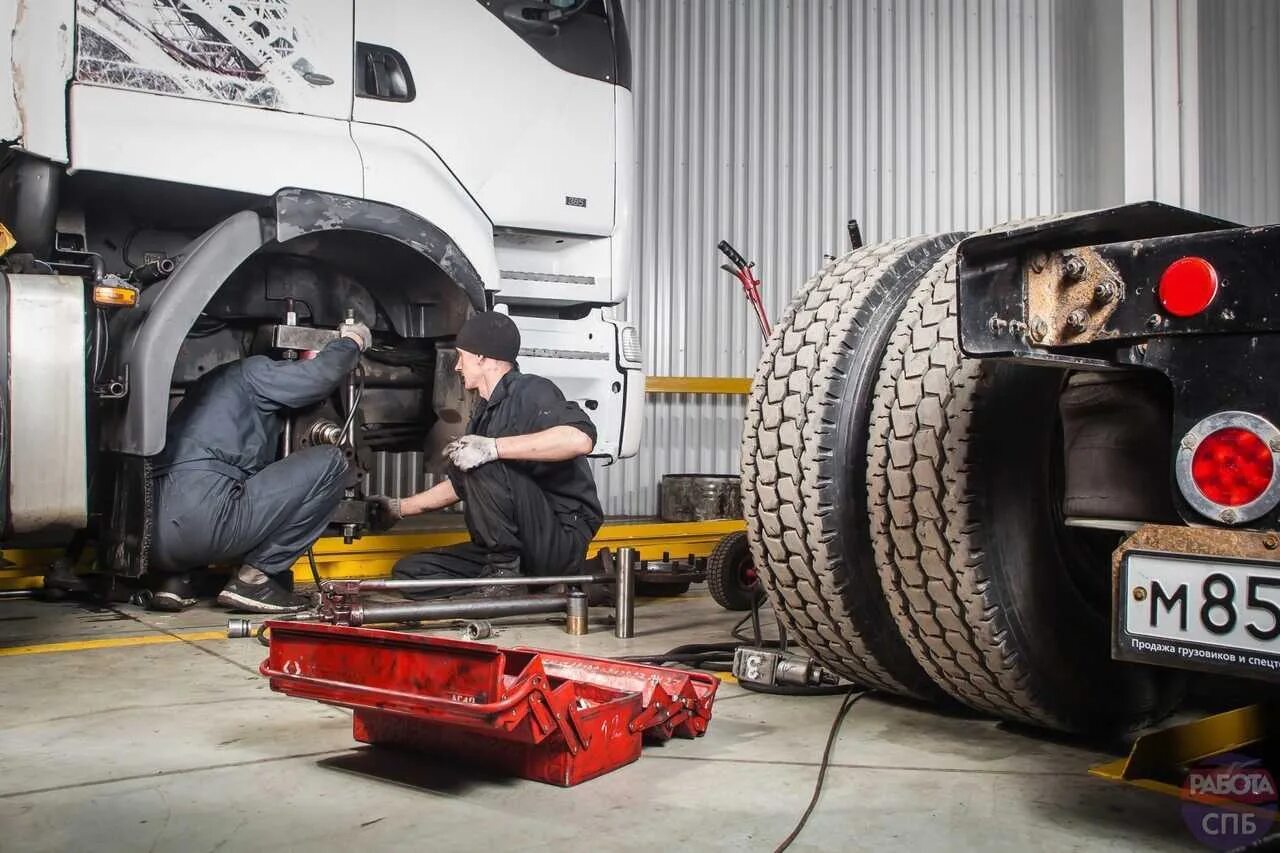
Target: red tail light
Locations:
point(1232, 467)
point(1227, 467)
point(1188, 286)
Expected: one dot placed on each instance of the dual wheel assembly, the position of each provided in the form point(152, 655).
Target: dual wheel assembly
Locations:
point(904, 507)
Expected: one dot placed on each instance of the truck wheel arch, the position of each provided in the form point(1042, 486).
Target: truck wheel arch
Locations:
point(314, 224)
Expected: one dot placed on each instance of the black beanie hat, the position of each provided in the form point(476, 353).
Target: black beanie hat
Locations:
point(491, 334)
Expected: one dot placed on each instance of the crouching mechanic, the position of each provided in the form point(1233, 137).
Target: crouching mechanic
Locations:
point(530, 500)
point(220, 496)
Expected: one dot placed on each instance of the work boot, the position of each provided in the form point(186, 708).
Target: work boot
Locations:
point(495, 569)
point(174, 593)
point(598, 595)
point(252, 591)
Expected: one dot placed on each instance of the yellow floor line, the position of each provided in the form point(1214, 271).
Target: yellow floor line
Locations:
point(112, 643)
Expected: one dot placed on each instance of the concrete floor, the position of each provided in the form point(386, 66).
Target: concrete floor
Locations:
point(181, 746)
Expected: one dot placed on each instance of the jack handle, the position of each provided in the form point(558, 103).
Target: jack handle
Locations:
point(740, 268)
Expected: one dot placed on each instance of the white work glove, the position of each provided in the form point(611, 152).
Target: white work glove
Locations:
point(471, 451)
point(386, 514)
point(359, 333)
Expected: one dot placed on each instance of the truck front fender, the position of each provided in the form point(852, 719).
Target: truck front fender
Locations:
point(150, 335)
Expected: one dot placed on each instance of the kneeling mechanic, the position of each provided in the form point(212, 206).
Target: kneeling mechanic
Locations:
point(530, 499)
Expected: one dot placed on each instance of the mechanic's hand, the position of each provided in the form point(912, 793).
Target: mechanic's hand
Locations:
point(472, 451)
point(386, 512)
point(359, 333)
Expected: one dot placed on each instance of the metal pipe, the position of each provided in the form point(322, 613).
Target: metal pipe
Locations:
point(576, 614)
point(368, 614)
point(452, 583)
point(625, 596)
point(348, 428)
point(239, 628)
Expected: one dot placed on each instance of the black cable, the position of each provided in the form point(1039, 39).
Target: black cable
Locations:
point(311, 561)
point(204, 326)
point(354, 406)
point(854, 695)
point(401, 357)
point(795, 689)
point(718, 657)
point(128, 242)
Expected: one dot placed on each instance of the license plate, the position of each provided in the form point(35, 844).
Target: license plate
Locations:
point(1205, 613)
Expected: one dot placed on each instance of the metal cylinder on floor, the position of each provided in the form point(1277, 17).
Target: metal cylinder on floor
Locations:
point(479, 630)
point(576, 618)
point(625, 593)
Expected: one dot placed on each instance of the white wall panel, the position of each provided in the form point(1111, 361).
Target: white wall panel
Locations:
point(1161, 118)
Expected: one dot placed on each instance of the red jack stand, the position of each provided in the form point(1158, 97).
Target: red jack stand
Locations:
point(552, 717)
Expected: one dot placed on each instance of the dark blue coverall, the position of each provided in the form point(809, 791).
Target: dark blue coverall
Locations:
point(219, 494)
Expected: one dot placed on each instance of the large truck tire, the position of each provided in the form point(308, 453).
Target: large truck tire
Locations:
point(982, 578)
point(804, 451)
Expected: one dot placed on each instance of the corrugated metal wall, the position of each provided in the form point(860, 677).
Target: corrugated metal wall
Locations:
point(1240, 109)
point(772, 124)
point(1161, 106)
point(1091, 104)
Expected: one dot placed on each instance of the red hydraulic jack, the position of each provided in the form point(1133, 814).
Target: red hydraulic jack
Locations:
point(552, 717)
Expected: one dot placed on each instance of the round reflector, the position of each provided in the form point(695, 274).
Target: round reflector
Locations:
point(1188, 286)
point(1232, 467)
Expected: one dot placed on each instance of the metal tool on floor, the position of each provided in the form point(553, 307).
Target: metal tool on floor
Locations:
point(776, 668)
point(341, 601)
point(478, 630)
point(551, 717)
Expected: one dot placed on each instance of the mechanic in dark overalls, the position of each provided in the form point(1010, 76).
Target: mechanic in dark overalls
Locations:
point(220, 494)
point(530, 499)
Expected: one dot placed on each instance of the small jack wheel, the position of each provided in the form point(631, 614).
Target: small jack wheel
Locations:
point(731, 576)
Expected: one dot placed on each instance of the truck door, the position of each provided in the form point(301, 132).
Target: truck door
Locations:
point(515, 96)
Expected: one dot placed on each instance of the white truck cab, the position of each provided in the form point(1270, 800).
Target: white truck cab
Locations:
point(252, 165)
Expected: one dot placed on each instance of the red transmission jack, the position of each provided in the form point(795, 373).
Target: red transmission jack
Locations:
point(552, 717)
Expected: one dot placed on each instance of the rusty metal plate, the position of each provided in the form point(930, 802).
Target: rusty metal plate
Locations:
point(1070, 297)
